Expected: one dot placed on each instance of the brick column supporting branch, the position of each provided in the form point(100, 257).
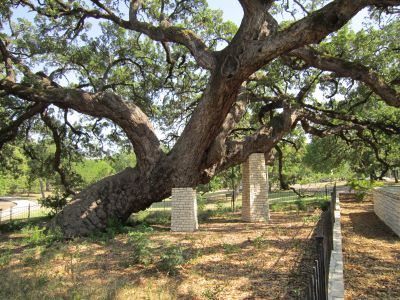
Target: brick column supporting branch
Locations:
point(184, 210)
point(255, 190)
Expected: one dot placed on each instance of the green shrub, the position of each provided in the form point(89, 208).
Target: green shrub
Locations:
point(205, 215)
point(323, 204)
point(38, 236)
point(54, 202)
point(152, 217)
point(171, 259)
point(363, 187)
point(300, 204)
point(201, 202)
point(29, 259)
point(231, 248)
point(17, 225)
point(5, 258)
point(259, 242)
point(141, 245)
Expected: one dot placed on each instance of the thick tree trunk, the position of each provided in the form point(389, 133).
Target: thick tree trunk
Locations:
point(189, 163)
point(282, 183)
point(113, 198)
point(42, 188)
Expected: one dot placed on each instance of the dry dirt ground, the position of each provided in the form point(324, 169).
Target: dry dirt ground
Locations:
point(226, 259)
point(371, 254)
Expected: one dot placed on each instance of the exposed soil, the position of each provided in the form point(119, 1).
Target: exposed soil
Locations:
point(226, 259)
point(371, 254)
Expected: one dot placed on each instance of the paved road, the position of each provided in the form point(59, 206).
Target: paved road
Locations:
point(21, 207)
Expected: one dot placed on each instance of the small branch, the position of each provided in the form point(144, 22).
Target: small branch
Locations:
point(10, 73)
point(126, 114)
point(302, 7)
point(133, 10)
point(50, 123)
point(295, 146)
point(10, 132)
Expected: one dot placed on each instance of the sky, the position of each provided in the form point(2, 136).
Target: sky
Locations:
point(234, 12)
point(231, 8)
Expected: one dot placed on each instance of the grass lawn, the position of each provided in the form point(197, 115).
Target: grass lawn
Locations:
point(225, 259)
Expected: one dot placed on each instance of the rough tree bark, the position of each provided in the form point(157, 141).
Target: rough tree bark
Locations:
point(204, 148)
point(282, 182)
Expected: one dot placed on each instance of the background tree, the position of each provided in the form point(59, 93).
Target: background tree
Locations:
point(156, 64)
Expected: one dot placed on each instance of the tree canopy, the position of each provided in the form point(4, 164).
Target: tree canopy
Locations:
point(191, 94)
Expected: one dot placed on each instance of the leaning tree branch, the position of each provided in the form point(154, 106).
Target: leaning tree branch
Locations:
point(127, 115)
point(253, 7)
point(324, 117)
point(234, 116)
point(356, 71)
point(262, 141)
point(311, 29)
point(10, 132)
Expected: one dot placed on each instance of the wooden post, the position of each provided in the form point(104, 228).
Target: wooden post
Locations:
point(29, 211)
point(10, 213)
point(0, 214)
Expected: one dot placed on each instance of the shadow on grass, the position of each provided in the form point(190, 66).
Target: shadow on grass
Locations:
point(103, 268)
point(371, 254)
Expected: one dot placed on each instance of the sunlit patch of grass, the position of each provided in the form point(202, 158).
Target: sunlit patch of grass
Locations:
point(298, 204)
point(231, 248)
point(5, 258)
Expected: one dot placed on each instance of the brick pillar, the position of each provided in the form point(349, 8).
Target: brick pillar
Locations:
point(184, 210)
point(255, 190)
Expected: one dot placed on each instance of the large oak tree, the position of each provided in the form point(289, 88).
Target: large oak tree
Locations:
point(218, 93)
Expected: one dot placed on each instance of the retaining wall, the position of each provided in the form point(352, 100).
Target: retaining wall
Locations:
point(336, 281)
point(387, 206)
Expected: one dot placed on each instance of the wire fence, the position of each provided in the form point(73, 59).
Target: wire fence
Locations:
point(304, 197)
point(22, 212)
point(299, 198)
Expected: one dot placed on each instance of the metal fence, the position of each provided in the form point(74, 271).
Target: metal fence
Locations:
point(318, 286)
point(293, 199)
point(22, 212)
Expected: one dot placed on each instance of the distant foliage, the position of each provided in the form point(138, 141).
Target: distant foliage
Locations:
point(363, 187)
point(20, 174)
